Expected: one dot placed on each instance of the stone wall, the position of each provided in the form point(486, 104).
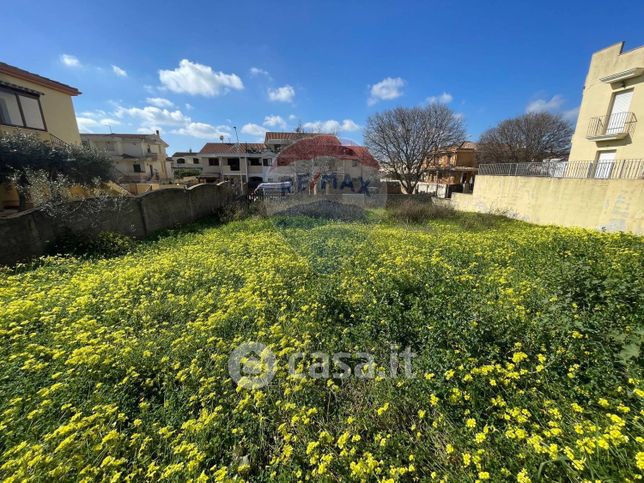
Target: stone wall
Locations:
point(27, 234)
point(598, 204)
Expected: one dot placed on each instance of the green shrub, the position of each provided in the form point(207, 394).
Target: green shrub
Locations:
point(240, 209)
point(186, 172)
point(415, 211)
point(105, 244)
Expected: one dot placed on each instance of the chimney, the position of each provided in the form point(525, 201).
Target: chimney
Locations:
point(190, 150)
point(157, 132)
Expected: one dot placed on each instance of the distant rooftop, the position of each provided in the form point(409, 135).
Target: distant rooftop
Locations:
point(234, 148)
point(180, 154)
point(287, 136)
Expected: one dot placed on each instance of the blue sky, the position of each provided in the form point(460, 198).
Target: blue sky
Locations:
point(195, 69)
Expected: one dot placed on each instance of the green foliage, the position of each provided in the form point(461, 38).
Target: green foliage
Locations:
point(186, 172)
point(118, 368)
point(105, 244)
point(80, 164)
point(415, 210)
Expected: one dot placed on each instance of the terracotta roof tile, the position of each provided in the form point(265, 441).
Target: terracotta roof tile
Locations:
point(184, 154)
point(287, 136)
point(233, 148)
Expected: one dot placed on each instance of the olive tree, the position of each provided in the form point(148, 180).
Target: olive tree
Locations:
point(22, 155)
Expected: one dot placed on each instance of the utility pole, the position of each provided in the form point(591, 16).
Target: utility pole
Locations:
point(245, 160)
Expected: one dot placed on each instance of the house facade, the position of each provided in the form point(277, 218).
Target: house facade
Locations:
point(609, 127)
point(451, 170)
point(318, 161)
point(240, 164)
point(36, 105)
point(138, 159)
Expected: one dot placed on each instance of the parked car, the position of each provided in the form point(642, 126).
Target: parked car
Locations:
point(265, 190)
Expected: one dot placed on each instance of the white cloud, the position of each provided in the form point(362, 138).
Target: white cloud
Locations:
point(571, 114)
point(444, 98)
point(94, 114)
point(85, 124)
point(118, 71)
point(203, 130)
point(386, 90)
point(256, 71)
point(253, 129)
point(88, 122)
point(275, 121)
point(281, 94)
point(292, 117)
point(331, 126)
point(152, 116)
point(70, 60)
point(198, 79)
point(159, 102)
point(91, 121)
point(190, 107)
point(545, 105)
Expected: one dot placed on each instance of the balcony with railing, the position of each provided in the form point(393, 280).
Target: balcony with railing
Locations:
point(604, 169)
point(612, 127)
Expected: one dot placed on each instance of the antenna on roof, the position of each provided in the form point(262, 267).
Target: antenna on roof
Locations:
point(221, 138)
point(110, 128)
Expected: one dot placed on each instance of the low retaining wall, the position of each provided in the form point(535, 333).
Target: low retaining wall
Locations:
point(27, 234)
point(598, 204)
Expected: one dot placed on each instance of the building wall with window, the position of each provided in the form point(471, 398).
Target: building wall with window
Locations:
point(137, 158)
point(611, 117)
point(37, 105)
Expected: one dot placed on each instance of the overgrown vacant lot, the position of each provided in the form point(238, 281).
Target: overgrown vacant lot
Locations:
point(526, 340)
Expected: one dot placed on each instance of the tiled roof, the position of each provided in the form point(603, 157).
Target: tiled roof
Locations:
point(233, 148)
point(457, 147)
point(468, 145)
point(287, 136)
point(37, 79)
point(324, 145)
point(182, 154)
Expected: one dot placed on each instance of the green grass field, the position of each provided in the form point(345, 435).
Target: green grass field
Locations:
point(526, 339)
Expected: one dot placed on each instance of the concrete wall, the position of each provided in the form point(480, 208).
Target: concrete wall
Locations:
point(598, 204)
point(28, 234)
point(597, 101)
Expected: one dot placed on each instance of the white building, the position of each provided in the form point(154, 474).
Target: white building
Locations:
point(240, 164)
point(249, 164)
point(138, 158)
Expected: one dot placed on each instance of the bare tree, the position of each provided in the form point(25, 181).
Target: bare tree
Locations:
point(527, 138)
point(404, 139)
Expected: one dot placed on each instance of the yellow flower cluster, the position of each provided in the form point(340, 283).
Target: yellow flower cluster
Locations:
point(524, 340)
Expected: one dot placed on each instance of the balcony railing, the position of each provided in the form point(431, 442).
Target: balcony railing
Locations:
point(615, 126)
point(609, 169)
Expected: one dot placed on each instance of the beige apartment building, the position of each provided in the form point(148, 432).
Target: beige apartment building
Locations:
point(37, 105)
point(139, 159)
point(610, 127)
